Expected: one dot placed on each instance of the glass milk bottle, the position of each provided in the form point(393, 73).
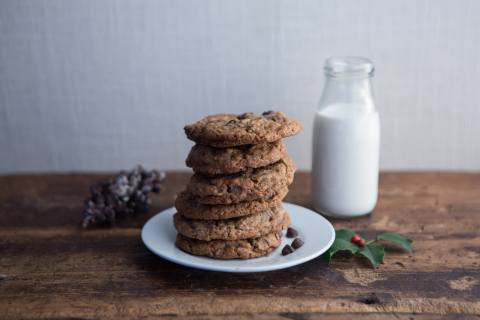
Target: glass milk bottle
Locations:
point(346, 141)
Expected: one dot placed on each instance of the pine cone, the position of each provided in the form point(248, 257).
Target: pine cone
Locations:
point(126, 194)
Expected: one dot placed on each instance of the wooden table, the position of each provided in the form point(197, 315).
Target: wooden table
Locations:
point(51, 267)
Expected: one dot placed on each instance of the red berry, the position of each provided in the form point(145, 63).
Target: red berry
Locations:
point(355, 239)
point(361, 243)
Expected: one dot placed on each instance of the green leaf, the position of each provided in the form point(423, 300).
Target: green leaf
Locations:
point(327, 255)
point(374, 252)
point(396, 238)
point(342, 242)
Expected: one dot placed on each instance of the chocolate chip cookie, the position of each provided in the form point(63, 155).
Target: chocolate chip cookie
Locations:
point(252, 184)
point(189, 208)
point(230, 249)
point(252, 226)
point(228, 130)
point(211, 161)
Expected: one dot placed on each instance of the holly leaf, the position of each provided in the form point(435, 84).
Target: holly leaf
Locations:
point(396, 238)
point(342, 242)
point(374, 252)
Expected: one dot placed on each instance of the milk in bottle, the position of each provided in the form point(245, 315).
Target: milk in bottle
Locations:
point(346, 141)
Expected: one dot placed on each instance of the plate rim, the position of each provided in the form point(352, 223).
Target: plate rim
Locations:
point(247, 269)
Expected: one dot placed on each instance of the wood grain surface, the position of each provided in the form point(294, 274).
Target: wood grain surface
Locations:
point(51, 267)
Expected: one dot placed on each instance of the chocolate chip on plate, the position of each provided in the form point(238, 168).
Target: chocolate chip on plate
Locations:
point(292, 233)
point(287, 250)
point(297, 243)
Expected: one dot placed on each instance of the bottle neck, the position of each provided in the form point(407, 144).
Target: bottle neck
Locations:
point(348, 90)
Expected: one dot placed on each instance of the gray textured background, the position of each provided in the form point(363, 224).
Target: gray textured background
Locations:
point(104, 85)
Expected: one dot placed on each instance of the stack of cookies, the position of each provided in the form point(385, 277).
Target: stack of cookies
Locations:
point(232, 207)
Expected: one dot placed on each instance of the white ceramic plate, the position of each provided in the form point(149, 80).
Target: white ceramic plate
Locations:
point(159, 236)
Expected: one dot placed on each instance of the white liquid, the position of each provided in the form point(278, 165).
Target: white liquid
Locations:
point(346, 148)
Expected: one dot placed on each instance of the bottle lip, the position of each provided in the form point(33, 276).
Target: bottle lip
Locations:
point(348, 67)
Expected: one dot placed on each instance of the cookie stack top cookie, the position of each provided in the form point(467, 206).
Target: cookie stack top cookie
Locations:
point(232, 205)
point(229, 130)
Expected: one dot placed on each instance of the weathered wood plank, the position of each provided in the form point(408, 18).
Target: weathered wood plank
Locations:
point(50, 267)
point(314, 316)
point(120, 270)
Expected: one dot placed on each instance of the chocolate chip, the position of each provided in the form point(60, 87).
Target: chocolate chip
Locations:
point(237, 175)
point(268, 112)
point(297, 243)
point(268, 117)
point(231, 122)
point(242, 116)
point(194, 225)
point(291, 233)
point(269, 197)
point(287, 250)
point(268, 242)
point(266, 217)
point(236, 189)
point(280, 234)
